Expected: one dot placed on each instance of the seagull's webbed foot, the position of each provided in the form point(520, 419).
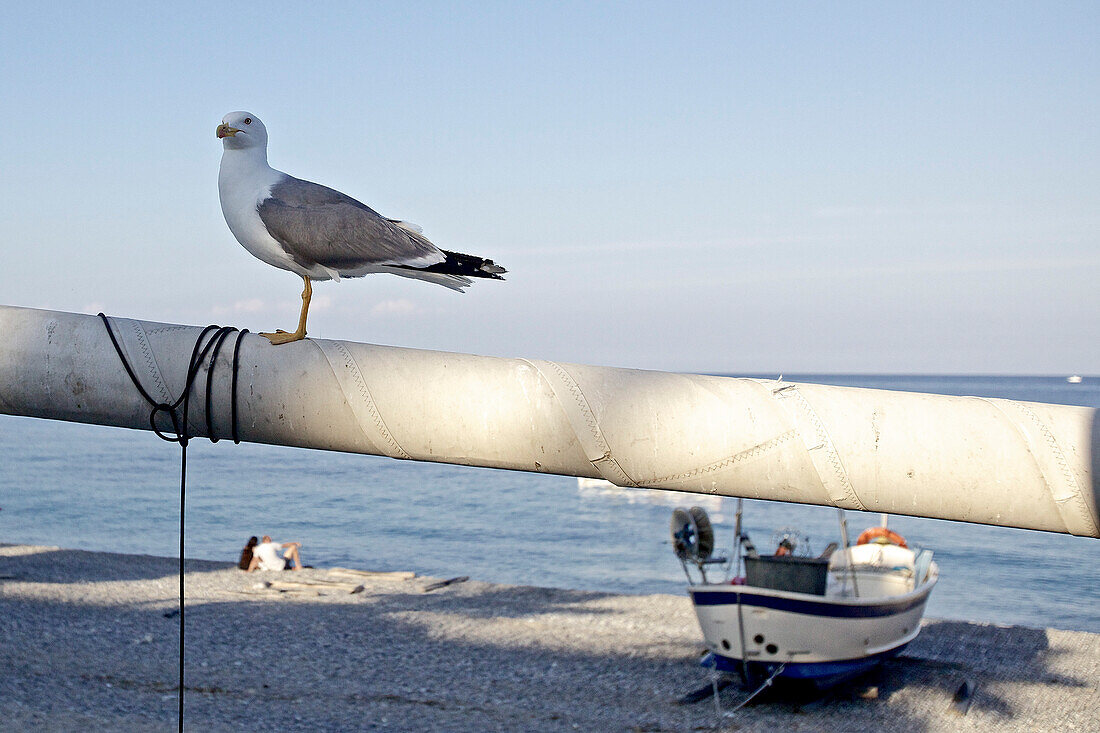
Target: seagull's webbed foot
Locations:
point(282, 337)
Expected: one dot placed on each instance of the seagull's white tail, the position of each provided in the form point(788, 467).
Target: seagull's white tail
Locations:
point(454, 282)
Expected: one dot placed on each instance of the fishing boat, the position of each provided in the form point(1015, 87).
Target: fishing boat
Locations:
point(1074, 379)
point(795, 616)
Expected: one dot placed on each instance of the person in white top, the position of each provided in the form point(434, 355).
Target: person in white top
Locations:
point(266, 556)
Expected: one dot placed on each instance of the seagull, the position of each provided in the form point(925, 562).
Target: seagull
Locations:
point(318, 233)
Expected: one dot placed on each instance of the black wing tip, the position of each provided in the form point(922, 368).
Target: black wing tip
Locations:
point(457, 263)
point(492, 268)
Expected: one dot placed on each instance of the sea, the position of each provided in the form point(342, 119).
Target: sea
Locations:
point(117, 490)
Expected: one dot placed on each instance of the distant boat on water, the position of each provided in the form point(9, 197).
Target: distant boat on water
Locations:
point(597, 488)
point(1075, 379)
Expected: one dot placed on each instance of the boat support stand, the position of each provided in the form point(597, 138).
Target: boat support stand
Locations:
point(718, 703)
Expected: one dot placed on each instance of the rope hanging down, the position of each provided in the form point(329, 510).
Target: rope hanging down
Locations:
point(179, 417)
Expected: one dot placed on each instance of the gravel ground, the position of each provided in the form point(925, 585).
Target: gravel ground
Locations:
point(85, 645)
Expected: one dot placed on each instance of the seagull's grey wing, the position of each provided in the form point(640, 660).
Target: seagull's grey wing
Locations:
point(317, 225)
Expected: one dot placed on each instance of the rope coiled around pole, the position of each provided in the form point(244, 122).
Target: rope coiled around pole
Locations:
point(177, 412)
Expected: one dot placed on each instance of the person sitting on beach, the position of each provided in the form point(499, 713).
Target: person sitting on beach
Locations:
point(246, 553)
point(266, 556)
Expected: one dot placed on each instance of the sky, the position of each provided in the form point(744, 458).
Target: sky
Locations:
point(737, 187)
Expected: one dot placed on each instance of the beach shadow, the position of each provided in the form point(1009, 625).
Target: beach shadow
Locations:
point(472, 656)
point(932, 669)
point(948, 653)
point(31, 564)
point(419, 661)
point(519, 601)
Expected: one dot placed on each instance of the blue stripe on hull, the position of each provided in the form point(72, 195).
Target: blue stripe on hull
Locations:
point(821, 673)
point(808, 607)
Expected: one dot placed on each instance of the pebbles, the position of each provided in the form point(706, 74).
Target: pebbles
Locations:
point(84, 644)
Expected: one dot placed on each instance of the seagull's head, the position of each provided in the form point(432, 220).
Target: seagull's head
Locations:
point(242, 130)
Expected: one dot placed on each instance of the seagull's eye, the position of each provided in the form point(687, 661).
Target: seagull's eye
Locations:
point(248, 120)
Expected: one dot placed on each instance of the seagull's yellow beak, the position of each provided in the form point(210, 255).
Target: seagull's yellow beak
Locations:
point(225, 130)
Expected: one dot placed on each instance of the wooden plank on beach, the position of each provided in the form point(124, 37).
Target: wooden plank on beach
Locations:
point(282, 585)
point(444, 583)
point(293, 584)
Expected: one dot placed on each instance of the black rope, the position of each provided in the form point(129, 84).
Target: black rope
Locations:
point(181, 435)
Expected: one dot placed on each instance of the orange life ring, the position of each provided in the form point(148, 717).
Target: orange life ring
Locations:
point(881, 535)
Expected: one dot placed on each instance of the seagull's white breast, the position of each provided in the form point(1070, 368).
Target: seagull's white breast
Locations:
point(245, 180)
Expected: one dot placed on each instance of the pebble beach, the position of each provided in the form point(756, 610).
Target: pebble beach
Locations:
point(89, 641)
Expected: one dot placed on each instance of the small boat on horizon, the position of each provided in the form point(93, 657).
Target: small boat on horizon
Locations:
point(1075, 379)
point(815, 619)
point(598, 488)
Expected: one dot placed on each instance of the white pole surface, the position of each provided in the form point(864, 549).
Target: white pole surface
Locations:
point(994, 461)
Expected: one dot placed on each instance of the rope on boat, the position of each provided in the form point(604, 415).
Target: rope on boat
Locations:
point(178, 417)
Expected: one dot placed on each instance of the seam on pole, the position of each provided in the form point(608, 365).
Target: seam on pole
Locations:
point(1053, 467)
point(582, 420)
point(823, 454)
point(150, 360)
point(348, 374)
point(749, 453)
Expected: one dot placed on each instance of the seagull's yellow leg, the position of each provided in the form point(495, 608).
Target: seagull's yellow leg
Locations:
point(282, 337)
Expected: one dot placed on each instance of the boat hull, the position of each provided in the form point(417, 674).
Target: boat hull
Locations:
point(755, 630)
point(818, 674)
